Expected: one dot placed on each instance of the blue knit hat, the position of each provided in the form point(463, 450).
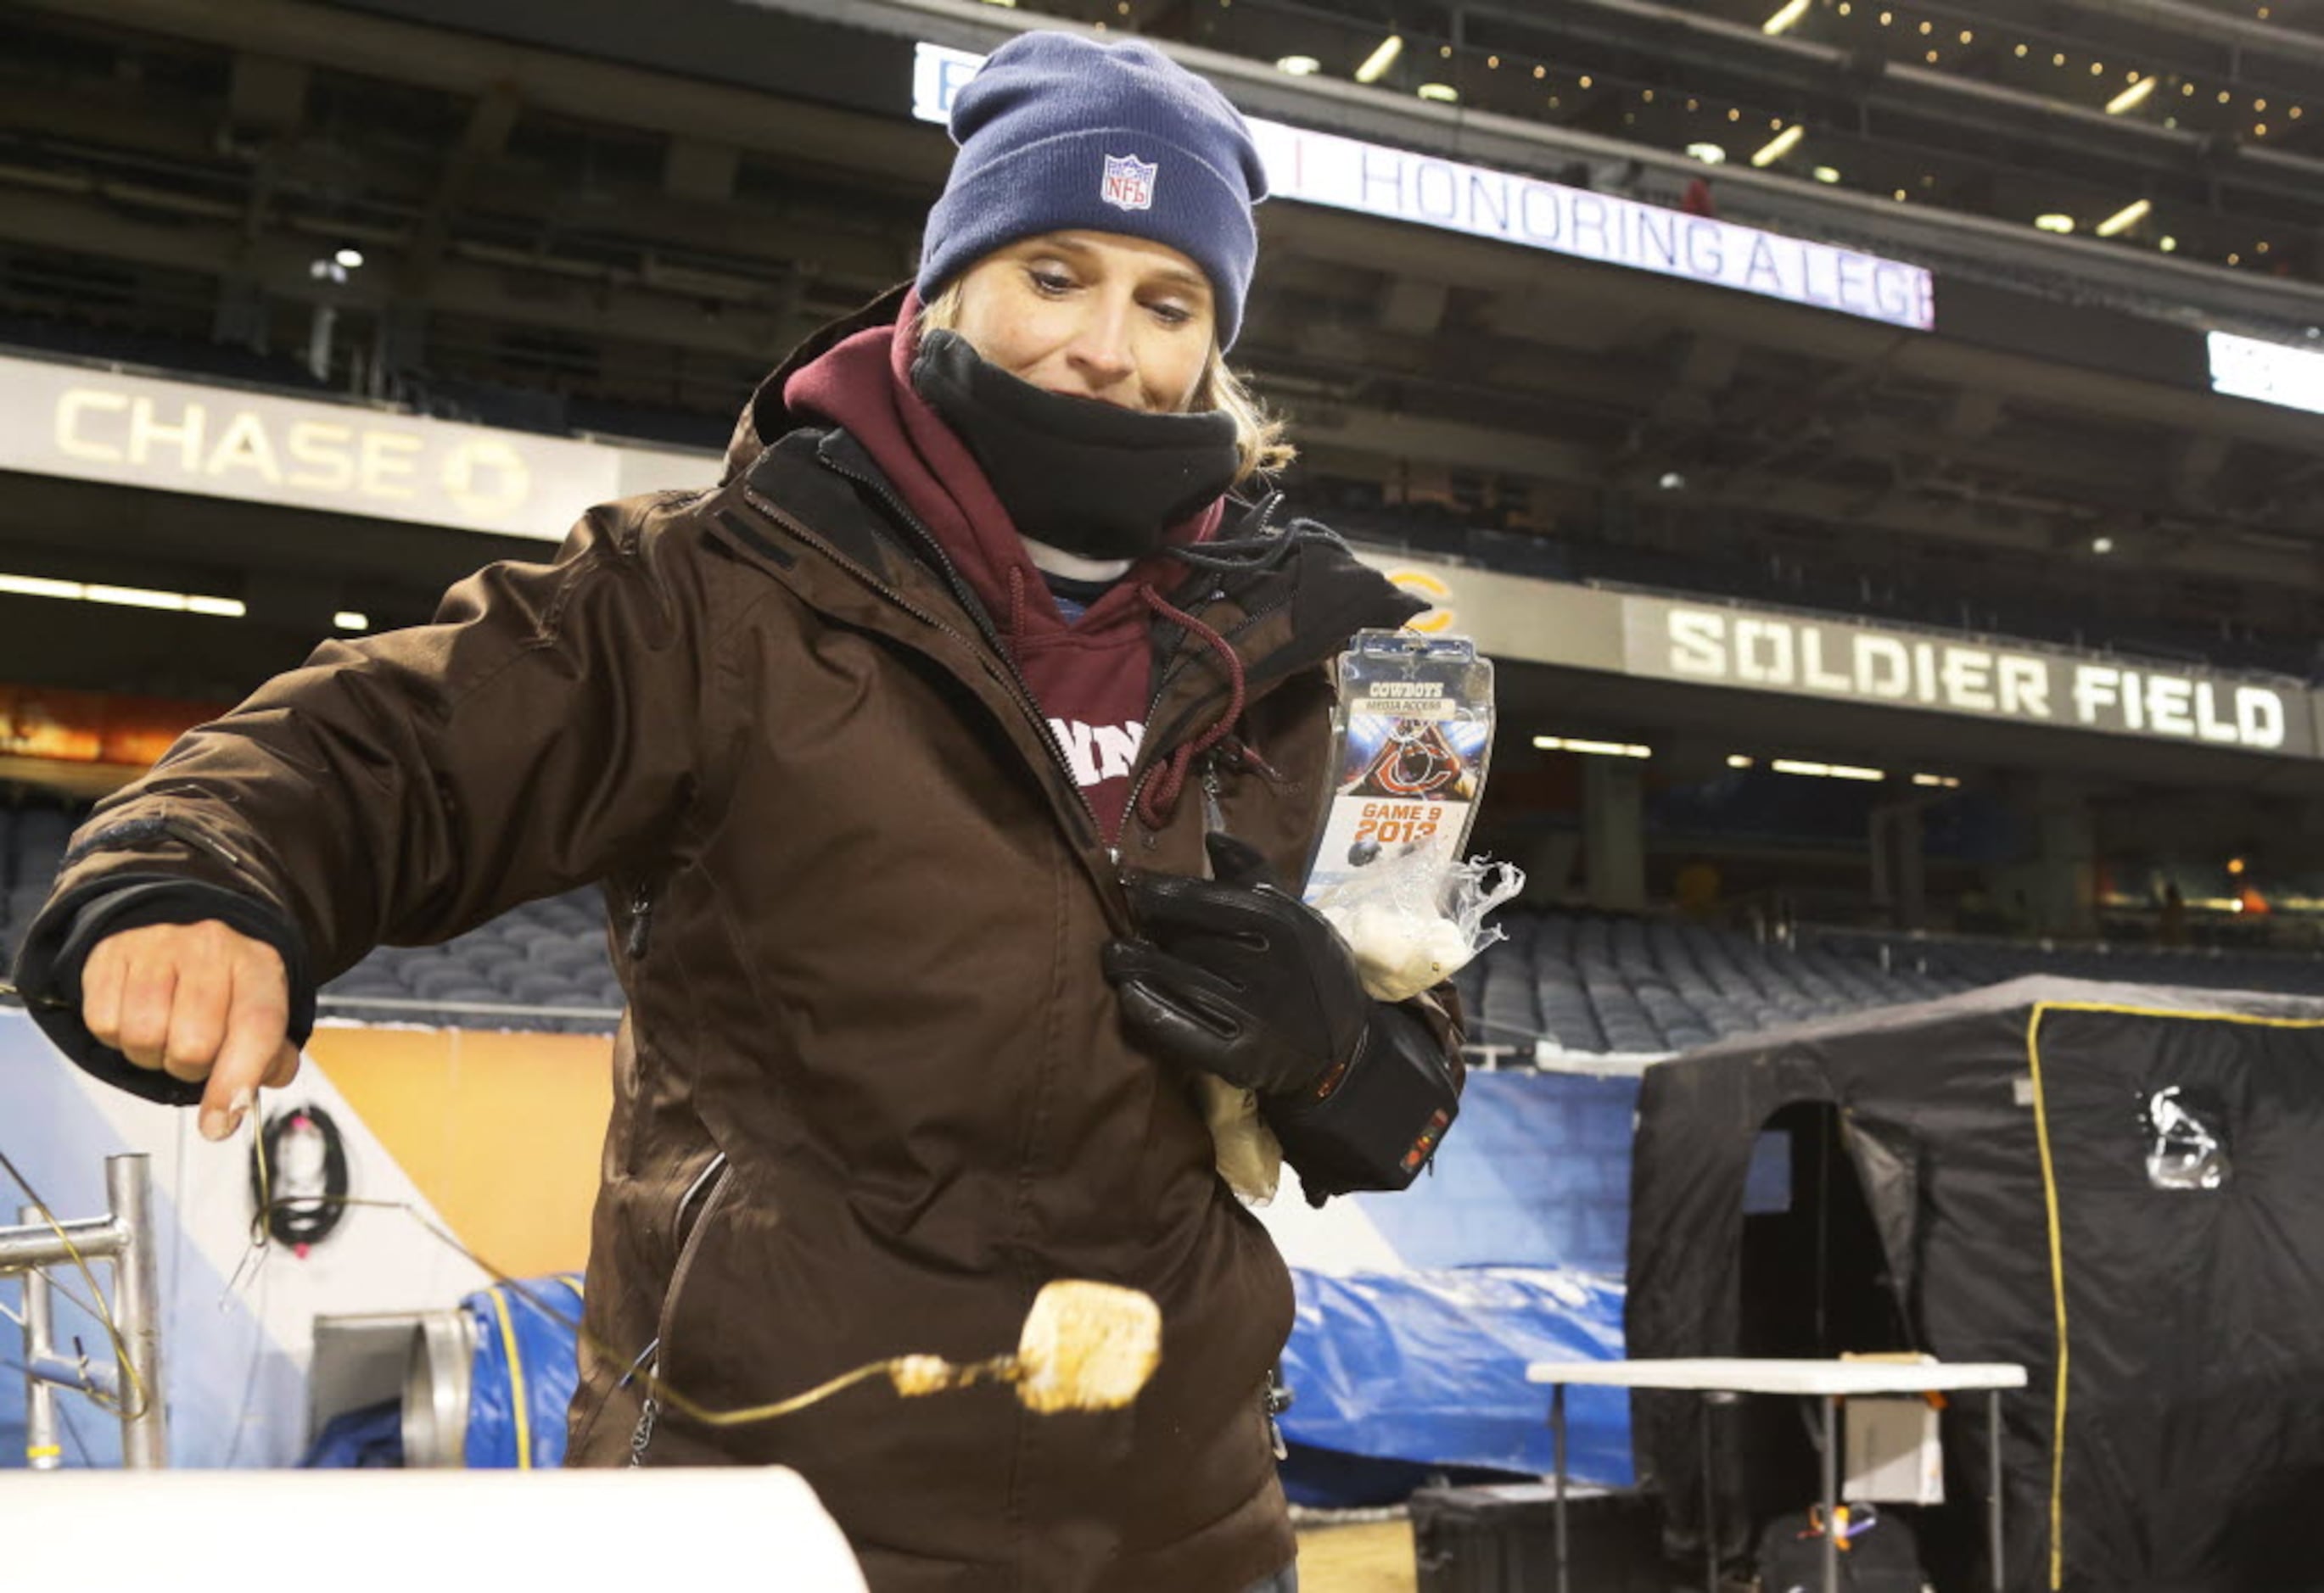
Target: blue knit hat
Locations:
point(1057, 133)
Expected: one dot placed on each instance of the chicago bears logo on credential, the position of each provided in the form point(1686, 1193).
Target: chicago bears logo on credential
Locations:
point(1128, 182)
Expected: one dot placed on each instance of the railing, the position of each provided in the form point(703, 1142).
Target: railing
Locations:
point(409, 1006)
point(124, 1236)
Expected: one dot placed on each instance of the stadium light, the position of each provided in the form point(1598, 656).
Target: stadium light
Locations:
point(1442, 93)
point(1738, 760)
point(2124, 219)
point(2101, 546)
point(1827, 174)
point(1594, 749)
point(351, 619)
point(1826, 771)
point(2056, 221)
point(1377, 63)
point(349, 259)
point(1784, 20)
point(1945, 781)
point(135, 597)
point(1782, 145)
point(2131, 98)
point(1299, 66)
point(1710, 154)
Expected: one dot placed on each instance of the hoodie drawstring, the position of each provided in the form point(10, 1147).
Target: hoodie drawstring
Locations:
point(1160, 797)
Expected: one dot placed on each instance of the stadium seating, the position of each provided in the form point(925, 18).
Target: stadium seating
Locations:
point(1591, 984)
point(543, 966)
point(112, 345)
point(1967, 963)
point(1580, 982)
point(1594, 984)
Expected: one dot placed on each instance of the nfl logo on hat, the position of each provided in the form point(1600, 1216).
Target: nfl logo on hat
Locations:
point(1128, 182)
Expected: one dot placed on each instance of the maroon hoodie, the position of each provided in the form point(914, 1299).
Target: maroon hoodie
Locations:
point(1094, 677)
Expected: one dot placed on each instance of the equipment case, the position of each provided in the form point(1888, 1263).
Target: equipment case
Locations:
point(1502, 1537)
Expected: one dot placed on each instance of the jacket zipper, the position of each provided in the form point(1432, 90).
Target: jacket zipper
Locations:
point(641, 922)
point(1007, 670)
point(1018, 690)
point(1003, 671)
point(1274, 1399)
point(710, 1186)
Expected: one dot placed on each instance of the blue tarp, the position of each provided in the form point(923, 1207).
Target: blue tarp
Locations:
point(1536, 1174)
point(367, 1437)
point(526, 1366)
point(1426, 1367)
point(1429, 1366)
point(1509, 1252)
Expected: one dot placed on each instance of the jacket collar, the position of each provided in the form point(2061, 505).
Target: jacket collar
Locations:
point(1279, 621)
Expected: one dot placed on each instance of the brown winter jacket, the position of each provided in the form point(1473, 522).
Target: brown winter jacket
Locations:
point(872, 1091)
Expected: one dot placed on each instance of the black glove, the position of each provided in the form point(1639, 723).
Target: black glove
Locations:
point(1239, 977)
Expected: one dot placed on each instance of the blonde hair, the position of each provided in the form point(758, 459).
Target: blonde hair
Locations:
point(1261, 444)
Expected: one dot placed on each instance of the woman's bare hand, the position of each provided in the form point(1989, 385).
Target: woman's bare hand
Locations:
point(199, 1003)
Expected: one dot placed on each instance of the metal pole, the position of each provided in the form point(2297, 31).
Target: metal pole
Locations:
point(1710, 1509)
point(92, 1239)
point(78, 1373)
point(1831, 1495)
point(1557, 1432)
point(41, 1451)
point(137, 1313)
point(1993, 1480)
point(1714, 1400)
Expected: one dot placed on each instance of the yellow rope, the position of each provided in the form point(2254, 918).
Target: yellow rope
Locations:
point(516, 1383)
point(2057, 1294)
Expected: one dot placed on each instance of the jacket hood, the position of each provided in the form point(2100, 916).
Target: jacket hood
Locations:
point(767, 417)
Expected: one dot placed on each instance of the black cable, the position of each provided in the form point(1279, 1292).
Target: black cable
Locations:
point(299, 1220)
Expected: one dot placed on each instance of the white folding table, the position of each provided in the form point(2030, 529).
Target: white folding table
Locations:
point(1830, 1381)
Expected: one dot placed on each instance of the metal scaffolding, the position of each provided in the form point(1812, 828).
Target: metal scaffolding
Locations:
point(124, 1236)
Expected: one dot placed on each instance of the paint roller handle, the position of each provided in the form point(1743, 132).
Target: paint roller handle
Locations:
point(201, 1002)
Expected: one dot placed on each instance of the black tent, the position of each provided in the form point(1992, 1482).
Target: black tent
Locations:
point(2120, 1187)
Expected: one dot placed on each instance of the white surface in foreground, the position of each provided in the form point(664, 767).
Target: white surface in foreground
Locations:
point(1782, 1377)
point(395, 1531)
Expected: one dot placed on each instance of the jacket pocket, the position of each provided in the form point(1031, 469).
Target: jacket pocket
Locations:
point(688, 1224)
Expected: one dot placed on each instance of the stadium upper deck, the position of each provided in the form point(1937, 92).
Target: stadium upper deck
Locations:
point(2073, 111)
point(602, 222)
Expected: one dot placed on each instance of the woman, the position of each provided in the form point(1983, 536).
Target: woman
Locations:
point(897, 752)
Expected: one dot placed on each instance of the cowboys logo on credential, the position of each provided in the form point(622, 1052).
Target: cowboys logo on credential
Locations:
point(1128, 182)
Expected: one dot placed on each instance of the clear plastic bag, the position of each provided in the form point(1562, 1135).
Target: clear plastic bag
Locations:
point(1415, 916)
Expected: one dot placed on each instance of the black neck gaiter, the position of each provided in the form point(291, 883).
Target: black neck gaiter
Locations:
point(1097, 481)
